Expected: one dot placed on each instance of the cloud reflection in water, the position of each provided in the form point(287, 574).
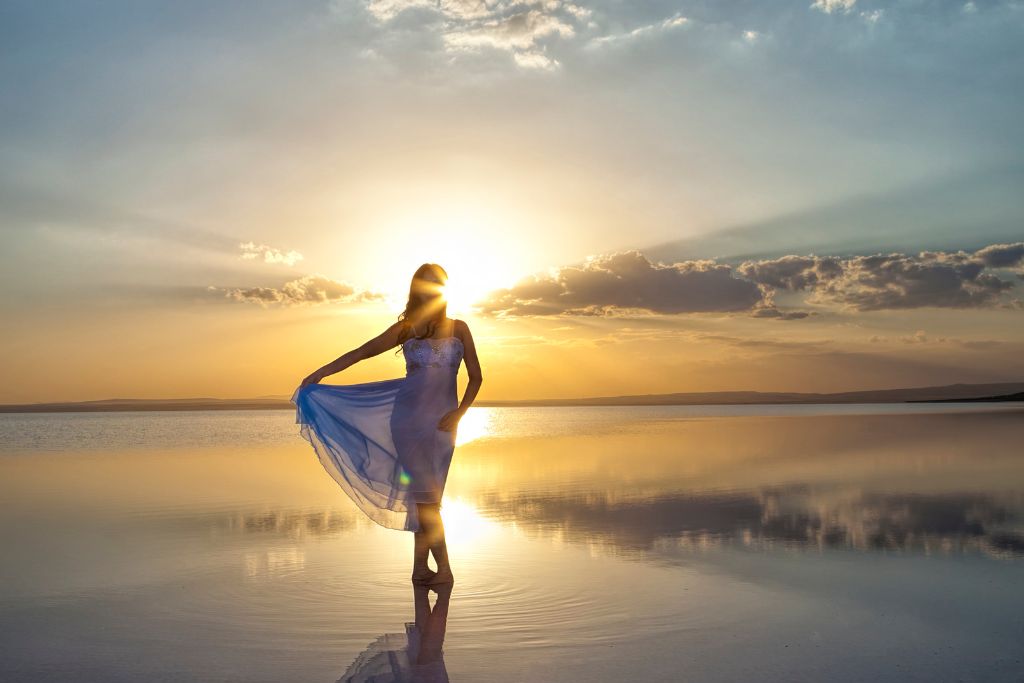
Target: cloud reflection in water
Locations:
point(787, 516)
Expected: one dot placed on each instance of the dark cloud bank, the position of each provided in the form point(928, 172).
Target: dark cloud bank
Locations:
point(630, 281)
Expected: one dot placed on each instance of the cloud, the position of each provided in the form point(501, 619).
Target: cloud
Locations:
point(624, 281)
point(667, 24)
point(536, 34)
point(894, 281)
point(252, 251)
point(521, 29)
point(386, 10)
point(919, 337)
point(846, 7)
point(832, 6)
point(773, 312)
point(616, 284)
point(793, 272)
point(535, 60)
point(1002, 255)
point(310, 289)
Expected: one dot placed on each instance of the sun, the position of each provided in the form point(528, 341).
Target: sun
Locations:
point(473, 271)
point(460, 295)
point(477, 246)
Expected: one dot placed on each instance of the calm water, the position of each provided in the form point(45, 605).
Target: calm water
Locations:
point(841, 543)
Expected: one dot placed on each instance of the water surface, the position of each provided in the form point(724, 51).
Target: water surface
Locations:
point(655, 543)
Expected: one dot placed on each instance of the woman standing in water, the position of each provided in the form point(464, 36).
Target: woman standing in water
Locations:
point(389, 444)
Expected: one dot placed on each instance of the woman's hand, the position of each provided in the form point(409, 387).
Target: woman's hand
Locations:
point(311, 379)
point(449, 421)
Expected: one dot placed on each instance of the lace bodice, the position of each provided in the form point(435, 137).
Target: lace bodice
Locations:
point(445, 352)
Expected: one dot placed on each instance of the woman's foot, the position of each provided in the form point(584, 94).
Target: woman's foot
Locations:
point(442, 576)
point(424, 575)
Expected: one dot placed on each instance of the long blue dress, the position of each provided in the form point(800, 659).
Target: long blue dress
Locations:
point(380, 440)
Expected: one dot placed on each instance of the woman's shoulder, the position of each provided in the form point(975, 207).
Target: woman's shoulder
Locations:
point(460, 329)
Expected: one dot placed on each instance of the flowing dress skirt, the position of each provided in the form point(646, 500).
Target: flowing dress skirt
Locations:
point(380, 440)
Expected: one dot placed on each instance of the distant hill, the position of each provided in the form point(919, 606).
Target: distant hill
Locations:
point(1004, 391)
point(950, 392)
point(1019, 396)
point(130, 404)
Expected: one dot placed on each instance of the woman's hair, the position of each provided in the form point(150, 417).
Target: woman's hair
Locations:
point(426, 304)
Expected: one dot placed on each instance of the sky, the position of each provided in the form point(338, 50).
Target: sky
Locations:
point(214, 199)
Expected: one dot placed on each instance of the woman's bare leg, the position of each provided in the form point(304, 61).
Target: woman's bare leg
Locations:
point(437, 544)
point(421, 571)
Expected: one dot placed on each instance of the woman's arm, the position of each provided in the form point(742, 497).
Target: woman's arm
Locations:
point(476, 378)
point(378, 345)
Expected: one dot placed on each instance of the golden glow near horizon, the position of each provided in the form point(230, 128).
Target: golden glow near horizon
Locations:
point(200, 342)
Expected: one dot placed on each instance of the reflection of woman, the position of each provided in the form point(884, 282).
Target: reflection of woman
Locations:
point(411, 656)
point(389, 444)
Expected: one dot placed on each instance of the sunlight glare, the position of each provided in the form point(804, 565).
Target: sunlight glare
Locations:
point(475, 245)
point(463, 523)
point(476, 423)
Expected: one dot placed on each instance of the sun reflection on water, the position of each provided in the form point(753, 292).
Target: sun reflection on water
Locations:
point(475, 424)
point(463, 523)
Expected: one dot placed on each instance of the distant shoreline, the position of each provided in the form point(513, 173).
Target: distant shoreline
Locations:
point(972, 393)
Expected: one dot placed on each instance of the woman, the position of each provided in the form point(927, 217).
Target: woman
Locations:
point(389, 444)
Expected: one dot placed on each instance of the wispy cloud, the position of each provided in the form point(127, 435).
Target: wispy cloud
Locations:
point(831, 6)
point(537, 34)
point(311, 289)
point(521, 29)
point(520, 33)
point(640, 32)
point(534, 60)
point(267, 254)
point(872, 16)
point(386, 10)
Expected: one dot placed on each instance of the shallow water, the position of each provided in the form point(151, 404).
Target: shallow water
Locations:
point(643, 543)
